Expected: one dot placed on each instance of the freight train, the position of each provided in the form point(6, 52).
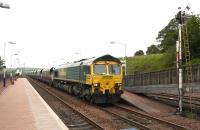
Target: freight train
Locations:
point(98, 80)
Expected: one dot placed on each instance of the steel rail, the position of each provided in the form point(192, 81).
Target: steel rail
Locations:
point(174, 98)
point(133, 123)
point(67, 104)
point(130, 122)
point(174, 95)
point(179, 127)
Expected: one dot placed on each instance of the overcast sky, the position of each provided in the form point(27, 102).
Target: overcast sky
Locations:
point(50, 32)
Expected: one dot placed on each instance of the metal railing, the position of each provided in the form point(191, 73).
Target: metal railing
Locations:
point(168, 76)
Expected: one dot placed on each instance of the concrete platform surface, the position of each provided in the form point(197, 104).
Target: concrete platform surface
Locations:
point(22, 108)
point(146, 104)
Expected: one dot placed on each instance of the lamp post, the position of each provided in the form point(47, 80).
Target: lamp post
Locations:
point(18, 62)
point(11, 72)
point(63, 59)
point(18, 59)
point(125, 47)
point(23, 70)
point(3, 5)
point(12, 43)
point(15, 54)
point(78, 54)
point(6, 6)
point(4, 67)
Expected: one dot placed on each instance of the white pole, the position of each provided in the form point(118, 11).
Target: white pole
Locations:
point(11, 60)
point(180, 72)
point(77, 53)
point(177, 55)
point(24, 68)
point(4, 56)
point(19, 60)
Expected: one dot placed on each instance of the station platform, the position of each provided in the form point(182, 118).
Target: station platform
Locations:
point(147, 105)
point(22, 108)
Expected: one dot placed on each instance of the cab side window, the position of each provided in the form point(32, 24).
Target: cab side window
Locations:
point(87, 68)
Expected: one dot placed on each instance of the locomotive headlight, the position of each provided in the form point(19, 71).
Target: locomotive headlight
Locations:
point(96, 84)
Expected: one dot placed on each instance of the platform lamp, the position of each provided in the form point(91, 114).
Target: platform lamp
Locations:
point(11, 59)
point(3, 5)
point(23, 70)
point(63, 59)
point(77, 53)
point(4, 66)
point(11, 67)
point(125, 46)
point(6, 6)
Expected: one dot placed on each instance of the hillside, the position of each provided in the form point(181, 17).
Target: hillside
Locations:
point(148, 63)
point(153, 62)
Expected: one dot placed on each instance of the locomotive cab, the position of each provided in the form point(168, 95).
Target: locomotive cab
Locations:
point(107, 77)
point(106, 80)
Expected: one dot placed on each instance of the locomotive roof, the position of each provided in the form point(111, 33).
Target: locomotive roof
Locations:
point(107, 58)
point(90, 61)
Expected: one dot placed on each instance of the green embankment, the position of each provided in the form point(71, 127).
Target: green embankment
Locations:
point(195, 61)
point(147, 63)
point(151, 63)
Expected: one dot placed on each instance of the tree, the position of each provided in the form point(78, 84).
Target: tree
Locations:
point(153, 49)
point(193, 26)
point(1, 63)
point(139, 53)
point(168, 36)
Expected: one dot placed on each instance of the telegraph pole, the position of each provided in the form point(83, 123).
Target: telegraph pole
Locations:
point(179, 60)
point(181, 20)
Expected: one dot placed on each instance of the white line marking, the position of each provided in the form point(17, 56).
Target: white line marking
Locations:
point(58, 120)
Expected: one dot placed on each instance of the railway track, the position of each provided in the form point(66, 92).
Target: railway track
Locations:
point(79, 121)
point(176, 96)
point(195, 101)
point(123, 116)
point(147, 120)
point(130, 122)
point(116, 123)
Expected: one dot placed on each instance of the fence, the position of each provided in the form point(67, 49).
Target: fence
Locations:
point(168, 76)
